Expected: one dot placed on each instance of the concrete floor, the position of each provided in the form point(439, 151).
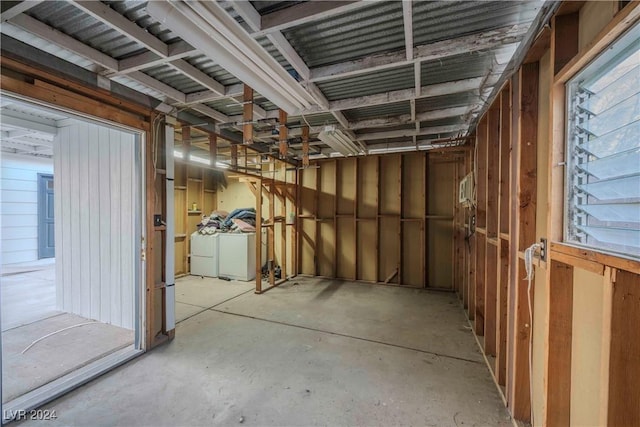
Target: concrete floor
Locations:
point(56, 355)
point(316, 353)
point(28, 292)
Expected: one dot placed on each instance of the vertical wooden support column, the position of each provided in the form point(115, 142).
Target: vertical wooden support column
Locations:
point(247, 115)
point(526, 222)
point(624, 351)
point(259, 236)
point(234, 156)
point(271, 243)
point(186, 144)
point(503, 231)
point(149, 244)
point(283, 225)
point(558, 347)
point(283, 134)
point(481, 141)
point(493, 174)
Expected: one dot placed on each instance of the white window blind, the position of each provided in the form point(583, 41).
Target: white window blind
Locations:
point(603, 151)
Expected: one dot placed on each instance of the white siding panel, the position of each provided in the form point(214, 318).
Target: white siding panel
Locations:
point(19, 206)
point(95, 241)
point(16, 208)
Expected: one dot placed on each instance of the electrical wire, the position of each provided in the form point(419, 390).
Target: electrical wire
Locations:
point(57, 332)
point(528, 266)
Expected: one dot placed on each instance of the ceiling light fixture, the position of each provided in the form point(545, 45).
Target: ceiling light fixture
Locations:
point(208, 28)
point(339, 141)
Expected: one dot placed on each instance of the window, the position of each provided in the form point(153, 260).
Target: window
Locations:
point(603, 150)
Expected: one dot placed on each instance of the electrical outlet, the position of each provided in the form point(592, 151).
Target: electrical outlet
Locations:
point(543, 249)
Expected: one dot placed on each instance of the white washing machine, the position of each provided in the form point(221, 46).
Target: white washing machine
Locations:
point(204, 254)
point(238, 255)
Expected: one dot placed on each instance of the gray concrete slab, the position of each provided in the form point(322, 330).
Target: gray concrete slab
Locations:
point(28, 293)
point(425, 320)
point(56, 355)
point(206, 292)
point(228, 369)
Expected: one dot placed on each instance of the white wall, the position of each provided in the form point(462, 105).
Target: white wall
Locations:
point(95, 193)
point(19, 206)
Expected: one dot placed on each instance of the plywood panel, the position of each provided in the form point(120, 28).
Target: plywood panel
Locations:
point(389, 249)
point(326, 249)
point(442, 188)
point(440, 250)
point(307, 246)
point(390, 185)
point(308, 185)
point(624, 361)
point(327, 195)
point(412, 250)
point(368, 190)
point(586, 347)
point(346, 186)
point(367, 254)
point(413, 191)
point(559, 352)
point(346, 249)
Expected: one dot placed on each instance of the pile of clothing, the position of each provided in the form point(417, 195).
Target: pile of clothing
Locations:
point(241, 220)
point(212, 223)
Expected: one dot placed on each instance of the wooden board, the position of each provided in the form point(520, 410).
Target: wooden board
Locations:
point(558, 391)
point(367, 256)
point(389, 250)
point(368, 187)
point(480, 284)
point(412, 262)
point(624, 360)
point(346, 186)
point(346, 249)
point(502, 331)
point(413, 191)
point(491, 303)
point(390, 202)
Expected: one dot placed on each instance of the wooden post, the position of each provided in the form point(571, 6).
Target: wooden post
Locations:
point(259, 236)
point(305, 146)
point(526, 223)
point(247, 115)
point(283, 224)
point(234, 156)
point(558, 347)
point(283, 134)
point(271, 235)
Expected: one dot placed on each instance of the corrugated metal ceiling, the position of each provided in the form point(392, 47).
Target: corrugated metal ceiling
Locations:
point(371, 29)
point(394, 109)
point(459, 67)
point(174, 78)
point(435, 21)
point(446, 101)
point(369, 83)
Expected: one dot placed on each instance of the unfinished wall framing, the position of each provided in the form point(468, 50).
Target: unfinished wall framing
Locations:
point(381, 219)
point(579, 315)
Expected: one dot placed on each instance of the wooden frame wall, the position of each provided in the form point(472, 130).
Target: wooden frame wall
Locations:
point(379, 219)
point(499, 308)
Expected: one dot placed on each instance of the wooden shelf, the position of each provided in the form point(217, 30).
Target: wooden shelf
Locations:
point(179, 187)
point(180, 236)
point(194, 212)
point(194, 179)
point(209, 191)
